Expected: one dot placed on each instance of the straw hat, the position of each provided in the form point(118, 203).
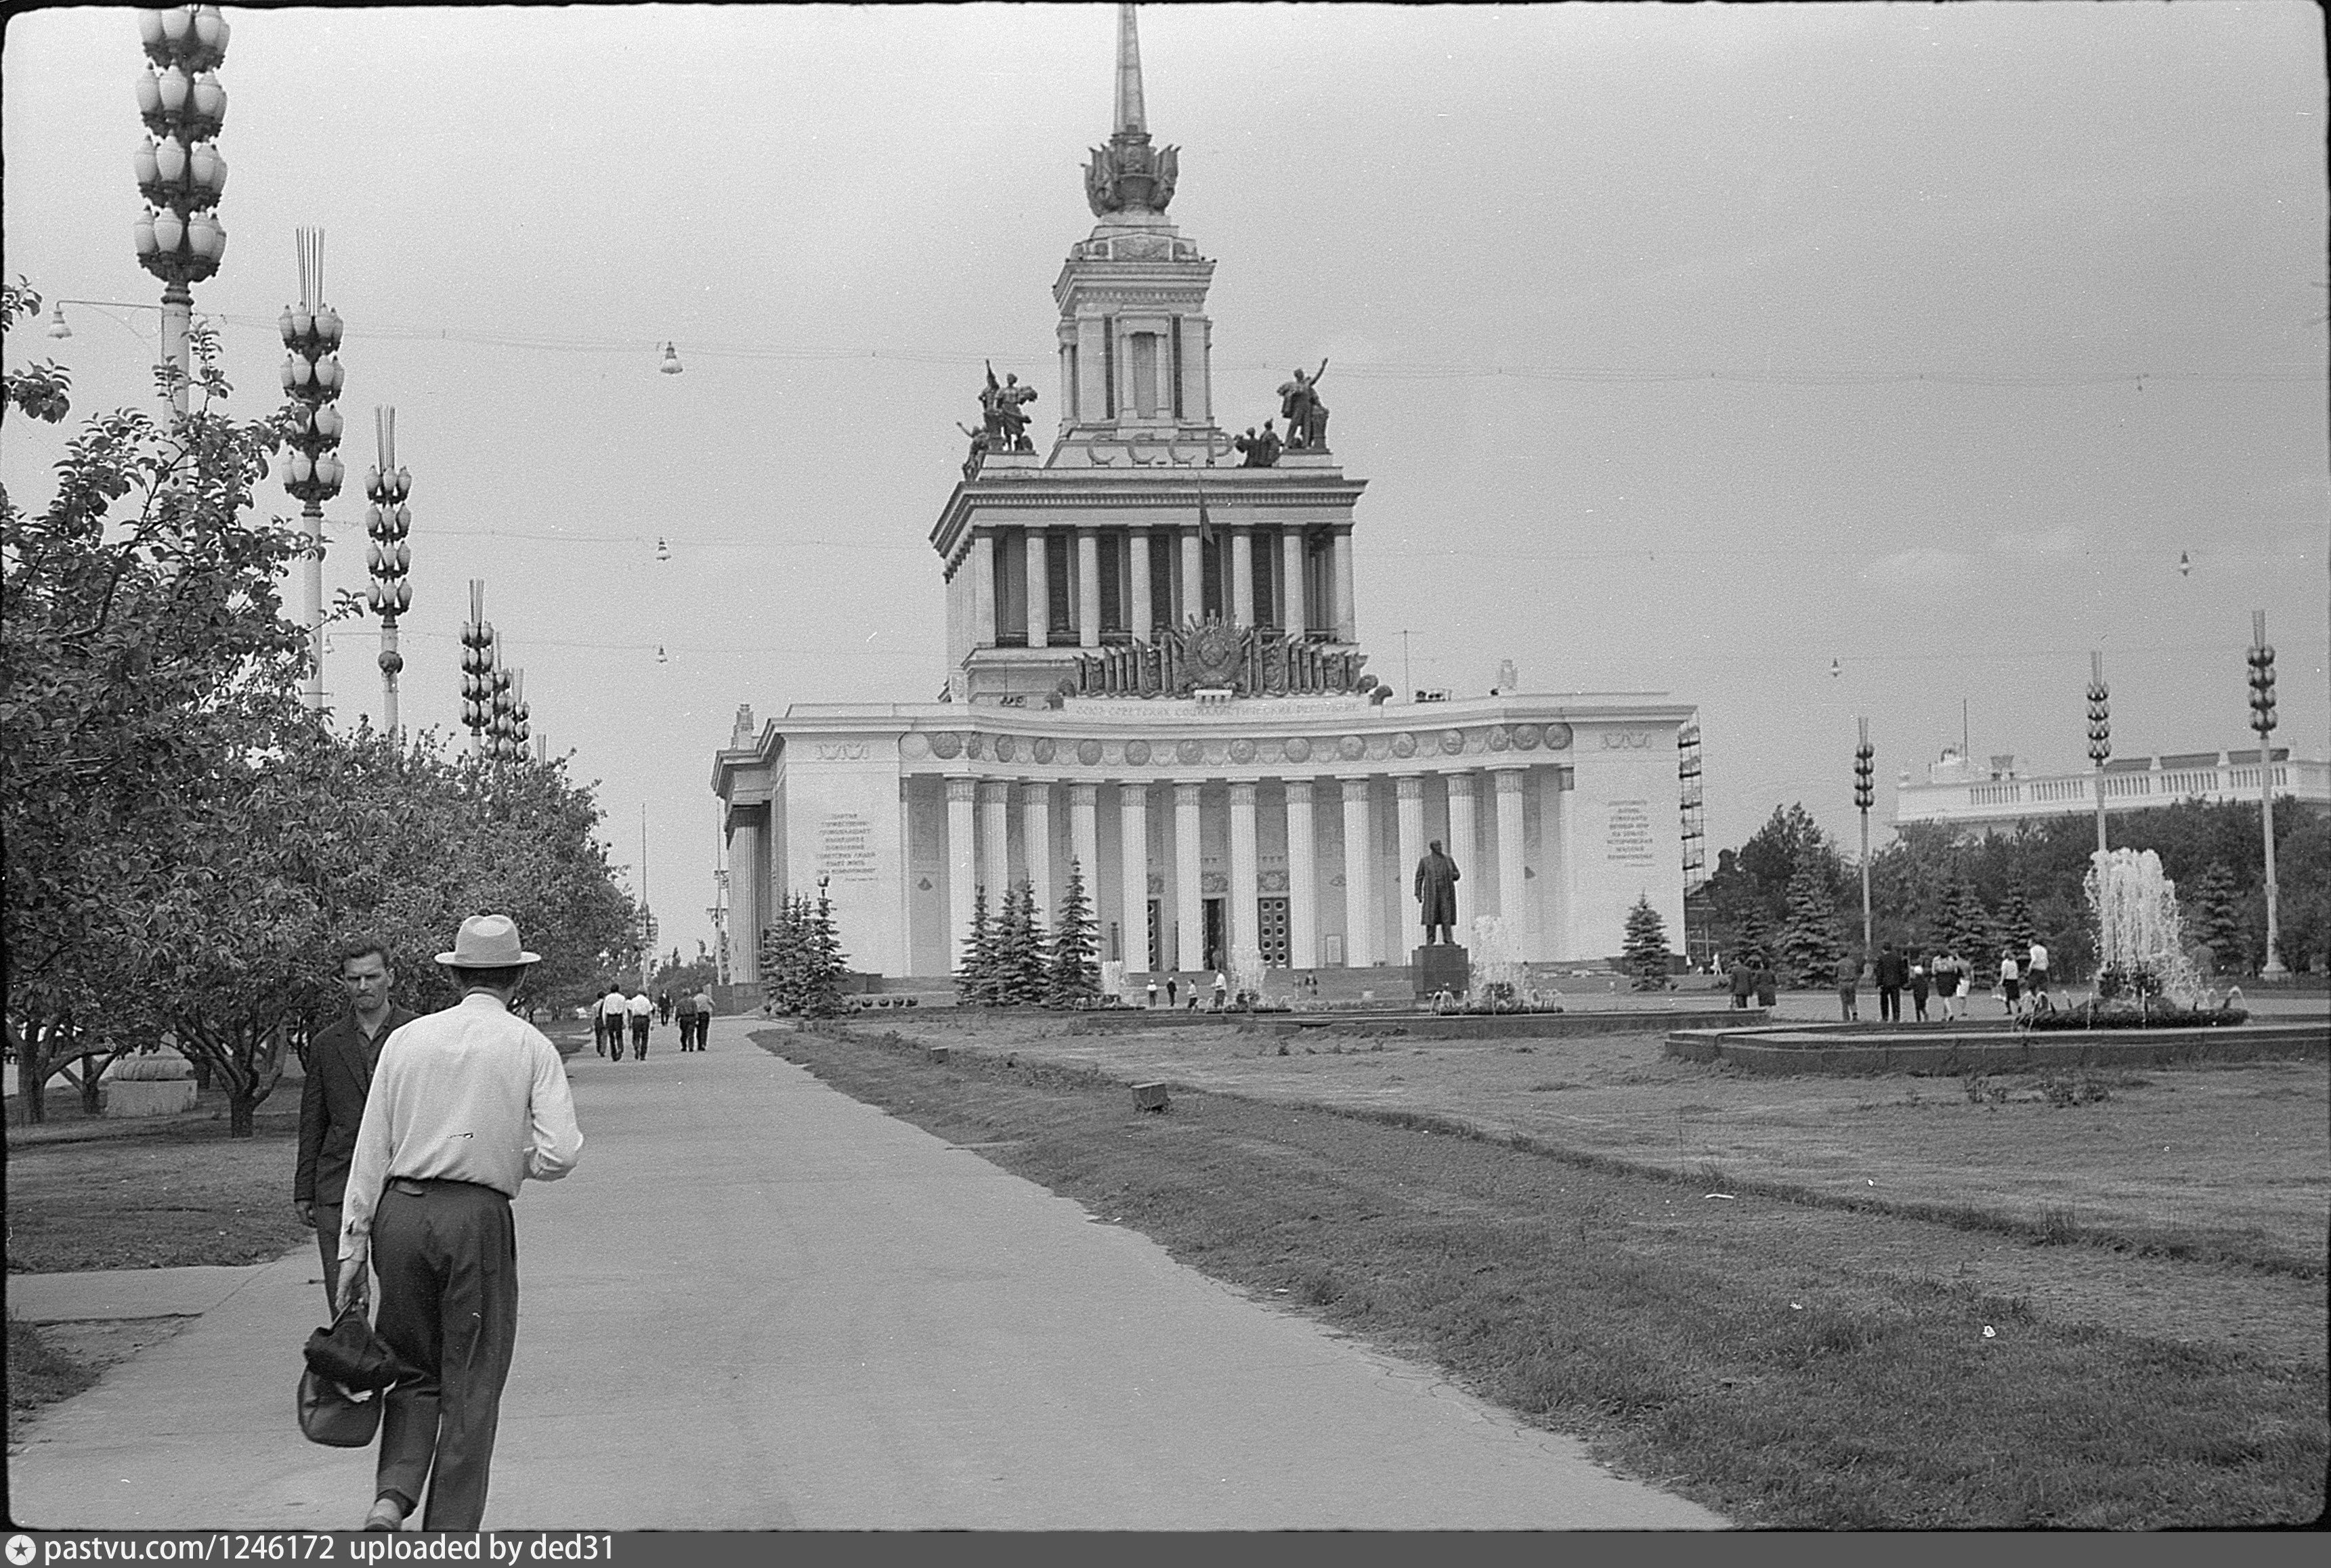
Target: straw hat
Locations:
point(488, 942)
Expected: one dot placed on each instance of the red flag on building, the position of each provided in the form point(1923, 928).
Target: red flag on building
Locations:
point(1205, 525)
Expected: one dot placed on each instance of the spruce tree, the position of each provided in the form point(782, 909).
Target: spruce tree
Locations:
point(1073, 977)
point(975, 983)
point(1752, 934)
point(1029, 979)
point(1967, 928)
point(1646, 946)
point(2219, 919)
point(822, 959)
point(2015, 919)
point(1809, 946)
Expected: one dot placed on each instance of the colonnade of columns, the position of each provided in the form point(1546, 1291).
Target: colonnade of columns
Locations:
point(979, 831)
point(1295, 609)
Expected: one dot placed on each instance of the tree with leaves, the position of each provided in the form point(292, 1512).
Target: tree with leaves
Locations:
point(1810, 947)
point(144, 652)
point(1646, 946)
point(1073, 977)
point(1967, 928)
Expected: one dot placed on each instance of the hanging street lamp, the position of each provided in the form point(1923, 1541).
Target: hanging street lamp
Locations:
point(2260, 658)
point(313, 470)
point(388, 558)
point(180, 171)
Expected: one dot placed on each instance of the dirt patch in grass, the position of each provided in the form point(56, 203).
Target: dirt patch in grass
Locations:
point(1785, 1365)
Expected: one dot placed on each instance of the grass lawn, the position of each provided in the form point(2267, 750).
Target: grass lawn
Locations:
point(1786, 1364)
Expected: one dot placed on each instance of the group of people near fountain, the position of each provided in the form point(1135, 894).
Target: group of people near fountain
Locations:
point(1945, 976)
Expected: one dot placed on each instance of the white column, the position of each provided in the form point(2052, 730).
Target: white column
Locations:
point(1084, 842)
point(1036, 843)
point(1293, 614)
point(1088, 588)
point(995, 841)
point(1555, 827)
point(1302, 878)
point(1512, 901)
point(1359, 917)
point(1410, 789)
point(1189, 899)
point(1242, 576)
point(1142, 616)
point(963, 868)
point(1133, 856)
point(1347, 621)
point(1039, 591)
point(1193, 577)
point(983, 589)
point(745, 903)
point(1464, 839)
point(1243, 930)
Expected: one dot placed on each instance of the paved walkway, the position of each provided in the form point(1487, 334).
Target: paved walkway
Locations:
point(758, 1304)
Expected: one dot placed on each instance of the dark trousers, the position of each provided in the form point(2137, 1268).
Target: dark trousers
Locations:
point(639, 1039)
point(447, 1257)
point(1919, 1001)
point(1889, 1003)
point(327, 1244)
point(703, 1028)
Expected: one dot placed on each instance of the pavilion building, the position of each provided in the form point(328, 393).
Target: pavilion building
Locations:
point(1155, 673)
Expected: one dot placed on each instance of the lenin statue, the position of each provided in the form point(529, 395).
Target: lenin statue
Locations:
point(1436, 890)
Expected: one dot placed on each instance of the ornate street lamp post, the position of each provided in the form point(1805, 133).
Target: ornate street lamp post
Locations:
point(180, 171)
point(2100, 735)
point(388, 556)
point(479, 667)
point(1865, 794)
point(313, 471)
point(2261, 662)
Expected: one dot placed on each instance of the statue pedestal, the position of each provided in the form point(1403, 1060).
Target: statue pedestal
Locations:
point(1441, 966)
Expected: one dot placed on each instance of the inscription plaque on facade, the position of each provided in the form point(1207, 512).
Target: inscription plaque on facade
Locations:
point(845, 848)
point(1627, 834)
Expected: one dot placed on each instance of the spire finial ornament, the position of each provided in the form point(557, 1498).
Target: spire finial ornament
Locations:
point(1131, 119)
point(1128, 175)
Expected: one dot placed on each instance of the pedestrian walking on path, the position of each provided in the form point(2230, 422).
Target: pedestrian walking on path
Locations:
point(467, 1105)
point(340, 1061)
point(2010, 984)
point(703, 1016)
point(643, 1012)
point(614, 1012)
point(1919, 985)
point(1848, 981)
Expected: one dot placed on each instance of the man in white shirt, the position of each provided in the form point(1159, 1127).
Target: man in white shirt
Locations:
point(466, 1105)
point(643, 1012)
point(612, 1012)
point(2035, 975)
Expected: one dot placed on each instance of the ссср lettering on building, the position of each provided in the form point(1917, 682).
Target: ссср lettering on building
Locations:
point(1155, 671)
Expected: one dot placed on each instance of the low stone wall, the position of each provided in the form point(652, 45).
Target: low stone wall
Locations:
point(1996, 1049)
point(146, 1096)
point(1415, 1025)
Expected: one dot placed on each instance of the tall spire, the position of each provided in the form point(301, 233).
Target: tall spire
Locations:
point(1128, 176)
point(1131, 119)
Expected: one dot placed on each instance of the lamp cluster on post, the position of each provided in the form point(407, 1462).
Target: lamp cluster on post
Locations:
point(313, 471)
point(2260, 658)
point(480, 666)
point(507, 729)
point(493, 699)
point(180, 170)
point(388, 558)
point(2100, 735)
point(1865, 796)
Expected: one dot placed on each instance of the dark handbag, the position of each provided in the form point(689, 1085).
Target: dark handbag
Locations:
point(336, 1418)
point(354, 1356)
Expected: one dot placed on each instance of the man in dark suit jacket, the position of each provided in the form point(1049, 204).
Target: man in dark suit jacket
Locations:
point(340, 1059)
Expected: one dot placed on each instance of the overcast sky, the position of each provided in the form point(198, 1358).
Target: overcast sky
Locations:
point(1685, 348)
